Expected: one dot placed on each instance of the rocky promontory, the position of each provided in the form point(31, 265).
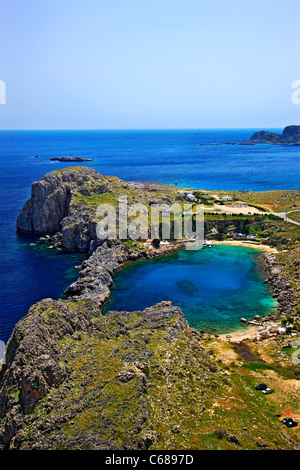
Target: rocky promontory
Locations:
point(64, 204)
point(59, 203)
point(289, 136)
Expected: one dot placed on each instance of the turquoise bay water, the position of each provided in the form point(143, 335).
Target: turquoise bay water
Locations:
point(214, 287)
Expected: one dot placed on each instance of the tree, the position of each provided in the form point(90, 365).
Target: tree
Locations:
point(156, 243)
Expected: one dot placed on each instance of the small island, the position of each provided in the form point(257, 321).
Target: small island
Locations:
point(289, 136)
point(71, 159)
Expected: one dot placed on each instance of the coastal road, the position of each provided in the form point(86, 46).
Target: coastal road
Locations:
point(284, 216)
point(243, 208)
point(238, 208)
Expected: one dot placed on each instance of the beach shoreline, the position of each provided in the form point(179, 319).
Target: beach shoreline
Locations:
point(238, 335)
point(246, 244)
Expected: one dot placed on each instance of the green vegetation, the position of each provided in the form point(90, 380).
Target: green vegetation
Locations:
point(294, 216)
point(274, 201)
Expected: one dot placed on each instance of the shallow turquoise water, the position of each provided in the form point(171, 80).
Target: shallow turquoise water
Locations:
point(214, 286)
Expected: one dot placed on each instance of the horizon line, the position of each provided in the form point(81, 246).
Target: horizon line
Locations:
point(145, 128)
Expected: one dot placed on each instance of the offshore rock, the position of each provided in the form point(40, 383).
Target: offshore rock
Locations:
point(71, 159)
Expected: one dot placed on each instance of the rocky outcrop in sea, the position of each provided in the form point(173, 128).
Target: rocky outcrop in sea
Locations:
point(71, 159)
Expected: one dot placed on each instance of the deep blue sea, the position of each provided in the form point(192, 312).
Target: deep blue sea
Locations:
point(31, 272)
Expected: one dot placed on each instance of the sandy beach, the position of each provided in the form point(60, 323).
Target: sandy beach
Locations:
point(238, 208)
point(247, 244)
point(248, 333)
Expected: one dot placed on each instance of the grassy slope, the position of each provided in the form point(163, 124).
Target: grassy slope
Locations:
point(199, 393)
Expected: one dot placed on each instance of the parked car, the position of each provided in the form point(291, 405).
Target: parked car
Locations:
point(266, 391)
point(261, 387)
point(289, 422)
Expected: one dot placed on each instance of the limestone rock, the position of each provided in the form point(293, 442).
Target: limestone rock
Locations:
point(52, 207)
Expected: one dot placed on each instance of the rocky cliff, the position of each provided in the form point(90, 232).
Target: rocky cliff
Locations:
point(53, 206)
point(64, 204)
point(289, 136)
point(75, 379)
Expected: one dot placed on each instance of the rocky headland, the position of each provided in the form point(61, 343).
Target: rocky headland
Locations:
point(289, 136)
point(64, 204)
point(53, 207)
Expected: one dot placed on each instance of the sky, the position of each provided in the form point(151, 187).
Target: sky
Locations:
point(149, 64)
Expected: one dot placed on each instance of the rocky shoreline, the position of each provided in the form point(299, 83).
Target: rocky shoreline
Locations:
point(96, 274)
point(280, 287)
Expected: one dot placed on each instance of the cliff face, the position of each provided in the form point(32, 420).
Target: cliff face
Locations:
point(52, 207)
point(289, 136)
point(64, 204)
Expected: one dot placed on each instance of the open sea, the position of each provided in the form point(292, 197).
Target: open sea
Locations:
point(32, 272)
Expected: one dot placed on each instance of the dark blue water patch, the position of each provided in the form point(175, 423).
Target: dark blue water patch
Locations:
point(214, 287)
point(31, 272)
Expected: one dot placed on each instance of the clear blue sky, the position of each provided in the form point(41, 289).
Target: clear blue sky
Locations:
point(121, 64)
